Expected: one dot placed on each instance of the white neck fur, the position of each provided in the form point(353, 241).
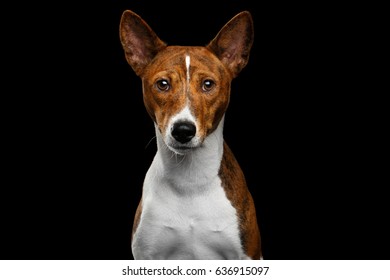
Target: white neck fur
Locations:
point(194, 170)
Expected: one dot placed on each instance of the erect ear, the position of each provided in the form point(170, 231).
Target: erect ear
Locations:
point(233, 43)
point(139, 41)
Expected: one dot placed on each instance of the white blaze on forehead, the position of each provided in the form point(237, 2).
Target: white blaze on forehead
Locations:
point(188, 67)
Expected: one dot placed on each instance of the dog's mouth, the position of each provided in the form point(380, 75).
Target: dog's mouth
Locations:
point(181, 149)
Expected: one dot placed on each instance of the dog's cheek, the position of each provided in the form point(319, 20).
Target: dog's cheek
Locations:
point(150, 108)
point(214, 117)
point(162, 121)
point(218, 104)
point(158, 115)
point(153, 101)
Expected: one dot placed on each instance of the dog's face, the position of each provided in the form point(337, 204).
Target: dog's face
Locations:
point(186, 89)
point(186, 92)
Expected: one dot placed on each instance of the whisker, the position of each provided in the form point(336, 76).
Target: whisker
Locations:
point(184, 156)
point(172, 153)
point(150, 141)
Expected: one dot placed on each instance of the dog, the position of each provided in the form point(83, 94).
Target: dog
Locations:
point(195, 203)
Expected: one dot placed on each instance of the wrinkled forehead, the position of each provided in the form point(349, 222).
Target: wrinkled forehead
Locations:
point(184, 58)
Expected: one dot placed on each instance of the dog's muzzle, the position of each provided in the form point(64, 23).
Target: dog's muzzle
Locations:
point(182, 137)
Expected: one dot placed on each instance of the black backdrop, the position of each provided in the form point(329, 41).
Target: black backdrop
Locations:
point(78, 139)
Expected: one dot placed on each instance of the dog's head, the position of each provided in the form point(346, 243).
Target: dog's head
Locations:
point(186, 89)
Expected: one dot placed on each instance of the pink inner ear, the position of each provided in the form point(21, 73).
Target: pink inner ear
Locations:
point(138, 50)
point(233, 52)
point(233, 43)
point(233, 49)
point(135, 41)
point(139, 41)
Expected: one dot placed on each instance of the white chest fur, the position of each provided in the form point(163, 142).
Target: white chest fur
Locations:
point(185, 211)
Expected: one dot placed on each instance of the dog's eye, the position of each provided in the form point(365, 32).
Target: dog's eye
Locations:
point(163, 85)
point(208, 85)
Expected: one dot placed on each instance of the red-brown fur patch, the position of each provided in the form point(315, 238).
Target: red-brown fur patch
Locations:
point(234, 184)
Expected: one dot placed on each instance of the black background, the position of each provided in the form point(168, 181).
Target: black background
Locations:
point(77, 133)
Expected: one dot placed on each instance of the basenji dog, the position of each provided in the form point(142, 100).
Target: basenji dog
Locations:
point(195, 203)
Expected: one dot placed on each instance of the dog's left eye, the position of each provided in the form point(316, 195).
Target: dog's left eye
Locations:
point(163, 85)
point(208, 85)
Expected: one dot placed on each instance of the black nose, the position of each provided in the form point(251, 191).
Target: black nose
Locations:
point(183, 131)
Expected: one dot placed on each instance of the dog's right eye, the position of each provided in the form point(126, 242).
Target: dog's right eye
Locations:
point(163, 85)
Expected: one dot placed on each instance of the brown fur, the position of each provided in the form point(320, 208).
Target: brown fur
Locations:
point(233, 181)
point(137, 218)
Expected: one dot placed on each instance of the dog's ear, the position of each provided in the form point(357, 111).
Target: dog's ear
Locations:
point(233, 43)
point(139, 41)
